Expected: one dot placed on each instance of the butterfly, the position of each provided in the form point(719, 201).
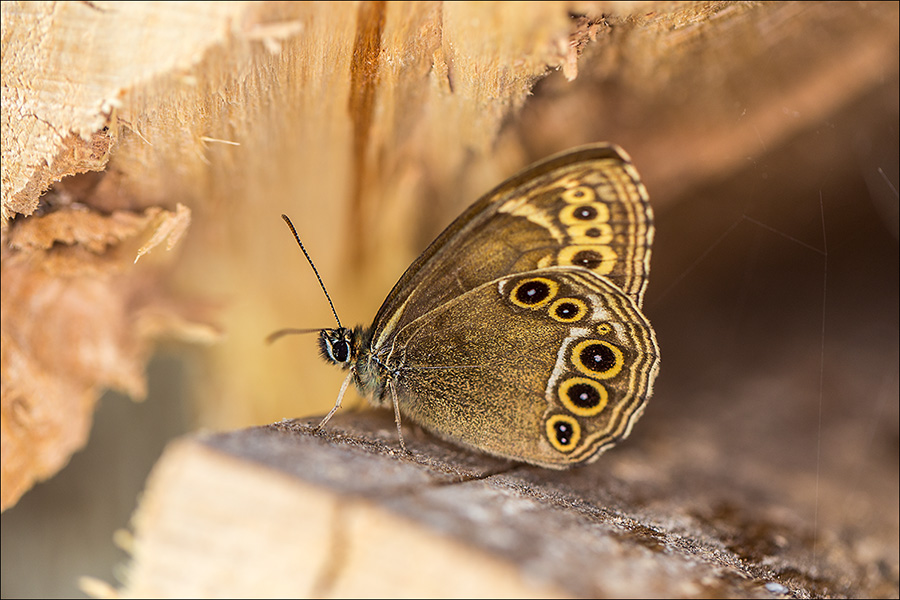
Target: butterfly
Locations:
point(519, 332)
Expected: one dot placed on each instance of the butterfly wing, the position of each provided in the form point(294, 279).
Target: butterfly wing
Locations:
point(586, 207)
point(561, 373)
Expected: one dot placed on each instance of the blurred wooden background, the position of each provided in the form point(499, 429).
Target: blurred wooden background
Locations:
point(373, 125)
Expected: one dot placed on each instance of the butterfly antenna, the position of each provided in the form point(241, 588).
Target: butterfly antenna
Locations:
point(276, 335)
point(306, 254)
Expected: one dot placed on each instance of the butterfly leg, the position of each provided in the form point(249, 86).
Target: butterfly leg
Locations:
point(397, 417)
point(337, 404)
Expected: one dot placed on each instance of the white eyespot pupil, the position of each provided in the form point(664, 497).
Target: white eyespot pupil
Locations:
point(598, 358)
point(583, 395)
point(532, 292)
point(566, 310)
point(563, 432)
point(587, 258)
point(585, 213)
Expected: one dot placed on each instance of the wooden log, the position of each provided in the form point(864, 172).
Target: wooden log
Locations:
point(281, 511)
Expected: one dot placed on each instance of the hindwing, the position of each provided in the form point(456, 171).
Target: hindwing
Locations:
point(551, 366)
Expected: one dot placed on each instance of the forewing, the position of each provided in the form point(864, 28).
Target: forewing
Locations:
point(586, 208)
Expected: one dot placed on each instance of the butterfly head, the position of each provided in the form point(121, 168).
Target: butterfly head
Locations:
point(338, 345)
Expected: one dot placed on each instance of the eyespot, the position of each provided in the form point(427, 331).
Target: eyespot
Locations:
point(597, 358)
point(563, 432)
point(604, 328)
point(583, 397)
point(591, 213)
point(585, 213)
point(579, 195)
point(593, 234)
point(599, 259)
point(568, 310)
point(534, 292)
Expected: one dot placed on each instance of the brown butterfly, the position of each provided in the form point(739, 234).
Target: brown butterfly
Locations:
point(519, 330)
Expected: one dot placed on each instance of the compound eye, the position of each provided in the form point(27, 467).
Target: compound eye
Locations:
point(341, 351)
point(336, 345)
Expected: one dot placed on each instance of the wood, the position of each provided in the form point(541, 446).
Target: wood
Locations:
point(372, 126)
point(279, 511)
point(214, 106)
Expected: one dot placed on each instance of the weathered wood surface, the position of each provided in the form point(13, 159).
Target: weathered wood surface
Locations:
point(280, 511)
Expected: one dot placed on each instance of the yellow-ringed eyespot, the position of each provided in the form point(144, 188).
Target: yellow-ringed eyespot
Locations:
point(579, 195)
point(597, 358)
point(563, 432)
point(592, 213)
point(604, 328)
point(582, 396)
point(601, 233)
point(599, 259)
point(568, 310)
point(534, 292)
